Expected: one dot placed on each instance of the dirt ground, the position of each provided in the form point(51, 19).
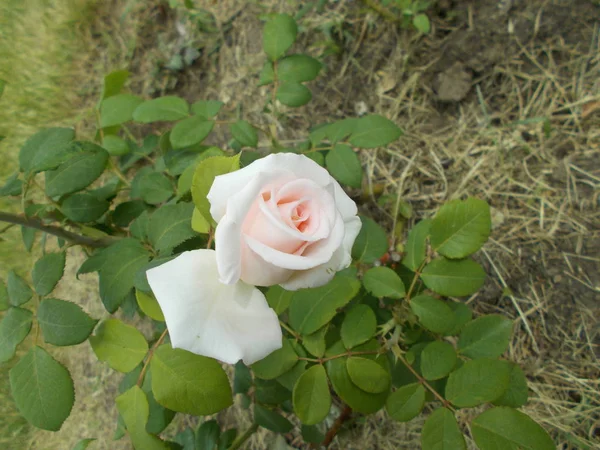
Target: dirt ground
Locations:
point(500, 101)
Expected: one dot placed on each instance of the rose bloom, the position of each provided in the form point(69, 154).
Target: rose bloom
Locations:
point(281, 220)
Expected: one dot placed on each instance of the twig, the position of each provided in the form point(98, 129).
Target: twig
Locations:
point(78, 239)
point(383, 12)
point(244, 437)
point(341, 355)
point(335, 428)
point(140, 379)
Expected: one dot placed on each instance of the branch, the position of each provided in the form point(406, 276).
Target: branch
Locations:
point(244, 437)
point(75, 238)
point(335, 428)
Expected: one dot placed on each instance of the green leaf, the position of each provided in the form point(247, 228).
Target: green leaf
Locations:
point(462, 315)
point(359, 325)
point(315, 342)
point(189, 383)
point(47, 272)
point(186, 439)
point(244, 133)
point(368, 375)
point(279, 299)
point(84, 207)
point(2, 86)
point(478, 381)
point(453, 278)
point(134, 409)
point(4, 303)
point(293, 94)
point(14, 328)
point(460, 228)
point(114, 82)
point(374, 131)
point(416, 245)
point(311, 396)
point(334, 132)
point(207, 108)
point(118, 109)
point(344, 165)
point(13, 186)
point(312, 434)
point(121, 345)
point(115, 145)
point(433, 314)
point(278, 35)
point(359, 400)
point(46, 149)
point(298, 68)
point(517, 393)
point(83, 444)
point(267, 75)
point(277, 363)
point(139, 227)
point(371, 242)
point(509, 429)
point(204, 177)
point(271, 392)
point(199, 223)
point(77, 172)
point(207, 435)
point(149, 305)
point(171, 225)
point(421, 23)
point(190, 131)
point(311, 309)
point(159, 417)
point(227, 438)
point(485, 337)
point(19, 291)
point(28, 235)
point(184, 183)
point(383, 282)
point(271, 420)
point(438, 358)
point(125, 212)
point(441, 432)
point(242, 380)
point(167, 108)
point(42, 389)
point(152, 187)
point(64, 323)
point(406, 403)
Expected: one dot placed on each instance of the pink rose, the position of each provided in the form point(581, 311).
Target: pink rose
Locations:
point(282, 220)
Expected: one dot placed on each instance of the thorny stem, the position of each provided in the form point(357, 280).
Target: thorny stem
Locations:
point(244, 437)
point(348, 353)
point(335, 428)
point(140, 379)
point(77, 239)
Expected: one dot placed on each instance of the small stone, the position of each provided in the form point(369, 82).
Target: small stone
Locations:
point(453, 84)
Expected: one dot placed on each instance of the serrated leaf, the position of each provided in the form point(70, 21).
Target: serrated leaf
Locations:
point(344, 165)
point(517, 393)
point(371, 242)
point(279, 299)
point(118, 109)
point(333, 132)
point(189, 383)
point(149, 305)
point(374, 131)
point(508, 429)
point(478, 381)
point(271, 392)
point(433, 314)
point(46, 149)
point(311, 396)
point(276, 363)
point(441, 432)
point(244, 133)
point(133, 408)
point(311, 309)
point(406, 403)
point(19, 291)
point(121, 345)
point(207, 108)
point(125, 212)
point(28, 236)
point(416, 245)
point(152, 187)
point(460, 228)
point(84, 207)
point(298, 68)
point(63, 323)
point(47, 272)
point(115, 145)
point(279, 34)
point(171, 225)
point(359, 325)
point(462, 315)
point(453, 278)
point(190, 131)
point(77, 172)
point(438, 358)
point(485, 337)
point(199, 223)
point(368, 375)
point(14, 328)
point(13, 186)
point(184, 183)
point(315, 342)
point(383, 282)
point(293, 94)
point(42, 389)
point(271, 420)
point(167, 108)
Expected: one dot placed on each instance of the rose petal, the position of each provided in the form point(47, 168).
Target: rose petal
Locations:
point(206, 317)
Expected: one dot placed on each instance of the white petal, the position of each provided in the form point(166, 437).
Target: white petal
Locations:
point(206, 317)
